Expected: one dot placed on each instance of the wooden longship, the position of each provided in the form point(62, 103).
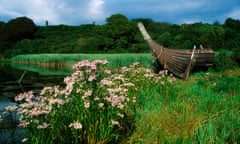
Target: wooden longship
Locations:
point(178, 61)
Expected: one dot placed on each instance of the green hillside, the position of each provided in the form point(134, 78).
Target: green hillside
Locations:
point(117, 35)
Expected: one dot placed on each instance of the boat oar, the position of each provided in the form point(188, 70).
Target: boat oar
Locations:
point(186, 75)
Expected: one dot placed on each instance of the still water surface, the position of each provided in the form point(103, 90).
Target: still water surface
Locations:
point(21, 78)
point(15, 79)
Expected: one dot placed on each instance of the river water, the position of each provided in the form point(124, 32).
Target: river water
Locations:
point(15, 79)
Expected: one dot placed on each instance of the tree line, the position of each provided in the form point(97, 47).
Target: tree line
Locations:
point(118, 35)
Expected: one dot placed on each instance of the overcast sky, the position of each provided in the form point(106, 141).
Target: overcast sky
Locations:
point(76, 12)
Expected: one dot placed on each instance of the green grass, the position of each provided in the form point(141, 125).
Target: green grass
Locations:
point(116, 60)
point(206, 109)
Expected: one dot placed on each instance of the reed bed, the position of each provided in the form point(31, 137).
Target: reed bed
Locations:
point(60, 60)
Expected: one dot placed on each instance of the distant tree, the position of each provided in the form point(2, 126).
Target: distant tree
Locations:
point(1, 28)
point(232, 34)
point(120, 30)
point(233, 24)
point(117, 25)
point(165, 39)
point(17, 29)
point(216, 23)
point(1, 25)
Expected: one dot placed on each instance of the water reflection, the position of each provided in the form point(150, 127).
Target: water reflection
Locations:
point(16, 78)
point(41, 70)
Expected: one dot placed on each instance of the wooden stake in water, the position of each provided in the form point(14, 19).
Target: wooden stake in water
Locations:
point(20, 80)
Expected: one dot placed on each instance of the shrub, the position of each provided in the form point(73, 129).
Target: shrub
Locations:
point(236, 55)
point(224, 60)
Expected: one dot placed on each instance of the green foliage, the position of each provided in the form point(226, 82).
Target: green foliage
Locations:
point(224, 60)
point(120, 30)
point(165, 39)
point(236, 55)
point(17, 29)
point(227, 84)
point(117, 26)
point(1, 25)
point(118, 35)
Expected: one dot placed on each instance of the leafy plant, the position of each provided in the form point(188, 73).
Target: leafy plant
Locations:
point(223, 60)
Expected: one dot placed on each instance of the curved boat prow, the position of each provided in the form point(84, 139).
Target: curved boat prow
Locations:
point(144, 32)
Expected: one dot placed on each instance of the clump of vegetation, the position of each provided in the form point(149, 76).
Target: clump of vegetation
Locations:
point(97, 105)
point(224, 60)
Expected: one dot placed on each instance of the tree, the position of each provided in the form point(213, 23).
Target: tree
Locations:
point(1, 25)
point(165, 39)
point(232, 24)
point(18, 29)
point(120, 30)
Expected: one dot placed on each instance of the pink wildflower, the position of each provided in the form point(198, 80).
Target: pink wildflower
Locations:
point(88, 92)
point(24, 140)
point(120, 115)
point(115, 123)
point(101, 105)
point(86, 104)
point(107, 71)
point(106, 82)
point(103, 62)
point(92, 77)
point(11, 108)
point(43, 126)
point(75, 125)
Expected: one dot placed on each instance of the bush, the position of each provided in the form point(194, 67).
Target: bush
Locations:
point(236, 55)
point(224, 60)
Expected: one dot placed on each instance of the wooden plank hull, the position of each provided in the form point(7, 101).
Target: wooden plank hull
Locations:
point(177, 60)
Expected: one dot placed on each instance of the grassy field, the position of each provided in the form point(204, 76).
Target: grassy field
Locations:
point(161, 108)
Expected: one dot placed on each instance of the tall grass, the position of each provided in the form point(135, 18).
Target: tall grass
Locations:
point(116, 60)
point(204, 110)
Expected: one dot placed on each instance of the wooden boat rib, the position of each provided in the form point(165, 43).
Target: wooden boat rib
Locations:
point(178, 61)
